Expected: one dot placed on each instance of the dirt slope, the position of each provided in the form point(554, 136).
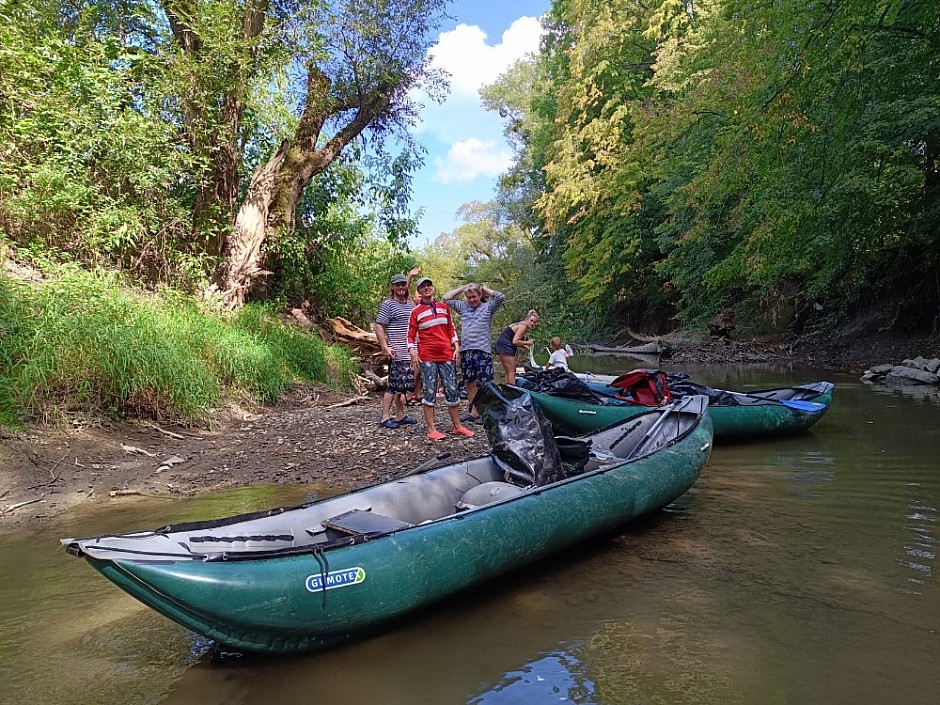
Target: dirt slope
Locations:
point(303, 440)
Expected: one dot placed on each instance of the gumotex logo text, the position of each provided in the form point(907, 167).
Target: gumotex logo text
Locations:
point(336, 579)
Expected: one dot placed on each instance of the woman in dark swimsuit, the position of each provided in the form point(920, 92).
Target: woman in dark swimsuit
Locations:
point(513, 337)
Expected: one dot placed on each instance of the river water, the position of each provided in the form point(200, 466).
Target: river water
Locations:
point(800, 570)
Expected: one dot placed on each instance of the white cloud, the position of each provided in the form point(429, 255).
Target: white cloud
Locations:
point(471, 158)
point(466, 150)
point(472, 63)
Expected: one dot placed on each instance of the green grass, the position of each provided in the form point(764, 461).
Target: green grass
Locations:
point(82, 343)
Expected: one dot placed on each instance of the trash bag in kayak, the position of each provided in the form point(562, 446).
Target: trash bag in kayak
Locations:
point(520, 436)
point(681, 385)
point(558, 382)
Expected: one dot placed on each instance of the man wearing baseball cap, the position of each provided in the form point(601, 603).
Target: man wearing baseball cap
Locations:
point(434, 348)
point(391, 328)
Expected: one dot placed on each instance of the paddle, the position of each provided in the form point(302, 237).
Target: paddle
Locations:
point(810, 407)
point(428, 464)
point(666, 410)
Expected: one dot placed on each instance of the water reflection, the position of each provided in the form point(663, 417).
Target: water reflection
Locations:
point(678, 659)
point(927, 393)
point(605, 364)
point(557, 677)
point(812, 474)
point(920, 549)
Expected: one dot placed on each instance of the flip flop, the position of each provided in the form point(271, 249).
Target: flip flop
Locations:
point(436, 436)
point(464, 431)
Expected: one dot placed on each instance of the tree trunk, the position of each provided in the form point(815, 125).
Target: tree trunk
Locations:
point(217, 198)
point(275, 190)
point(216, 132)
point(932, 171)
point(244, 242)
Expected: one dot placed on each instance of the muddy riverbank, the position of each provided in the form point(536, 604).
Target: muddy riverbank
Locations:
point(308, 438)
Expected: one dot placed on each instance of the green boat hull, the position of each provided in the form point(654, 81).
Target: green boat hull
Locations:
point(274, 603)
point(731, 423)
point(744, 423)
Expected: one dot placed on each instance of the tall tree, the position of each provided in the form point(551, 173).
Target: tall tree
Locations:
point(119, 117)
point(354, 64)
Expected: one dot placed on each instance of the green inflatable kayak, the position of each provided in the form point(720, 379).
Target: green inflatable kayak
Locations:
point(314, 576)
point(737, 416)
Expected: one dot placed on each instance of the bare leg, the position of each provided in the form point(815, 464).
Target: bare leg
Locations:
point(509, 368)
point(400, 405)
point(429, 418)
point(387, 405)
point(471, 392)
point(454, 412)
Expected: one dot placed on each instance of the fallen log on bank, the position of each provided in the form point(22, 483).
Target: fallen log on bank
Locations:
point(352, 336)
point(652, 348)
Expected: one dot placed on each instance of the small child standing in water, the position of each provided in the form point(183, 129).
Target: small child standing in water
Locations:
point(560, 355)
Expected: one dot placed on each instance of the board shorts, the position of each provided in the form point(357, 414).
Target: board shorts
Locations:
point(447, 372)
point(476, 366)
point(401, 377)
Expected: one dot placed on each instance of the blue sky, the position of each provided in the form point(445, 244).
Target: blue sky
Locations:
point(466, 150)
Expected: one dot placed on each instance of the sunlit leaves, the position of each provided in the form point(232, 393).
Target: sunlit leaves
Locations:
point(725, 151)
point(129, 131)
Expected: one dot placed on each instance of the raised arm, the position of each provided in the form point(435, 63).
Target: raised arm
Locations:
point(454, 293)
point(415, 271)
point(496, 298)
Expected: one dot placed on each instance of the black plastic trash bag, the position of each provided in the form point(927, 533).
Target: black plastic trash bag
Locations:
point(520, 436)
point(681, 385)
point(558, 382)
point(575, 454)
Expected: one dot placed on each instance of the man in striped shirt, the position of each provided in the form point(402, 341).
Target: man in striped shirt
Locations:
point(391, 328)
point(476, 317)
point(433, 347)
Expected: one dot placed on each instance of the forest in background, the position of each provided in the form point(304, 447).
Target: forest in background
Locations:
point(773, 164)
point(774, 161)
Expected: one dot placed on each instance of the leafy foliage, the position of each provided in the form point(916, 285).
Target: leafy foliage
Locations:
point(348, 243)
point(131, 131)
point(82, 342)
point(504, 257)
point(87, 164)
point(779, 158)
